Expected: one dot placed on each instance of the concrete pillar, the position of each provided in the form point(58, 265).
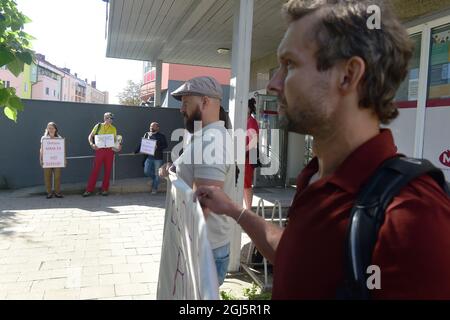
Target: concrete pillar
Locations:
point(158, 83)
point(239, 94)
point(423, 92)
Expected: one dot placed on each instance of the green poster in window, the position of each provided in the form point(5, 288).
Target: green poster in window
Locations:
point(440, 53)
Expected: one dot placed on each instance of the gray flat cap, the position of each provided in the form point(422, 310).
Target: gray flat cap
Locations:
point(201, 86)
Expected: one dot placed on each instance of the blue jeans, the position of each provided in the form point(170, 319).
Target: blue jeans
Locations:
point(222, 259)
point(151, 168)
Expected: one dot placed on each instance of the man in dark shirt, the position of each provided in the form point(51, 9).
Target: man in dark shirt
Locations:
point(153, 163)
point(337, 81)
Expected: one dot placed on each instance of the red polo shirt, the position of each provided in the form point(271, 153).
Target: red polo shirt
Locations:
point(413, 248)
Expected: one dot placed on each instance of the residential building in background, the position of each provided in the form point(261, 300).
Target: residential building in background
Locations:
point(68, 86)
point(22, 83)
point(93, 95)
point(80, 90)
point(45, 81)
point(48, 85)
point(174, 75)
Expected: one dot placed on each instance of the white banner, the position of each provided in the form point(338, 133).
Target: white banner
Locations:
point(54, 153)
point(187, 270)
point(148, 146)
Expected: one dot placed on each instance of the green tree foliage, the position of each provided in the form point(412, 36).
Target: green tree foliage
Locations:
point(15, 52)
point(130, 96)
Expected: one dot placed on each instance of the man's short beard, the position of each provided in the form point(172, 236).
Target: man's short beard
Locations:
point(287, 123)
point(189, 122)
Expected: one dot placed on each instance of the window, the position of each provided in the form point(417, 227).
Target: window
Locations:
point(6, 84)
point(439, 73)
point(25, 87)
point(54, 93)
point(34, 73)
point(47, 73)
point(47, 91)
point(409, 89)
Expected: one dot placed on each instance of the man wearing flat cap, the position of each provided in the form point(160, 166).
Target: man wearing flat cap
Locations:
point(201, 98)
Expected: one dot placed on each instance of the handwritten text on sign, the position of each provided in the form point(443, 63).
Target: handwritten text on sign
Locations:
point(148, 146)
point(54, 154)
point(103, 141)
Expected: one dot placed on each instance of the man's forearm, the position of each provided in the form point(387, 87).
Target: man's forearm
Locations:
point(265, 235)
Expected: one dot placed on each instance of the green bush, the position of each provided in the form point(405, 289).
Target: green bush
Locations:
point(255, 293)
point(227, 296)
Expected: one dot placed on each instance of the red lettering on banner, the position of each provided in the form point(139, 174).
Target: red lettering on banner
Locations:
point(445, 158)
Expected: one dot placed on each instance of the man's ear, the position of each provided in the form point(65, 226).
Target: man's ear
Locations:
point(351, 74)
point(205, 102)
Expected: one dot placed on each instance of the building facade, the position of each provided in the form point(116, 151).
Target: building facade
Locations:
point(174, 75)
point(93, 95)
point(22, 83)
point(49, 81)
point(45, 81)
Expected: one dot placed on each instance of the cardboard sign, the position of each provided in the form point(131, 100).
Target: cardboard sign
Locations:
point(148, 146)
point(54, 153)
point(104, 141)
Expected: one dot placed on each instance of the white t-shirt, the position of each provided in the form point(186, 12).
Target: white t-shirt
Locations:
point(220, 168)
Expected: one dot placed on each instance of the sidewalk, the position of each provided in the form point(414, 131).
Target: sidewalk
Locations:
point(77, 248)
point(126, 186)
point(87, 248)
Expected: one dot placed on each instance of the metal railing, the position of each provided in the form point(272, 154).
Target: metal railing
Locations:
point(261, 208)
point(166, 157)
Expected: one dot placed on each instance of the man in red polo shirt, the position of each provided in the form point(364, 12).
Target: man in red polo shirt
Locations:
point(337, 81)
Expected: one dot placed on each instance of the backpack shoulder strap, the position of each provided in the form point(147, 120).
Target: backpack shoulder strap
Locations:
point(99, 125)
point(367, 217)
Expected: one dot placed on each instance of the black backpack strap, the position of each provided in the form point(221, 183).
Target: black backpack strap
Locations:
point(99, 125)
point(97, 129)
point(367, 217)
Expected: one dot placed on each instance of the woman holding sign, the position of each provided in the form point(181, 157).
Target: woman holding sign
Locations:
point(52, 159)
point(102, 139)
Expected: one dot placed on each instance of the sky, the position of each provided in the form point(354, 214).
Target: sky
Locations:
point(71, 34)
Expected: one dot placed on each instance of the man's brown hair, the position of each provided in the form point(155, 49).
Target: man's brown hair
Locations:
point(342, 32)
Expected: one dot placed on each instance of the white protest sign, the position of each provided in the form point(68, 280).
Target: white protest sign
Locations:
point(187, 270)
point(103, 141)
point(148, 146)
point(53, 153)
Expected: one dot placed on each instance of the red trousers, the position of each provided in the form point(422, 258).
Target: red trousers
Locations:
point(248, 176)
point(102, 157)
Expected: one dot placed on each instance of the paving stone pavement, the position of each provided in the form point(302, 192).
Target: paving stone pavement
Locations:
point(80, 248)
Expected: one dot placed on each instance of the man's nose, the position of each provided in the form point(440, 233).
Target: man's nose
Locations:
point(276, 83)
